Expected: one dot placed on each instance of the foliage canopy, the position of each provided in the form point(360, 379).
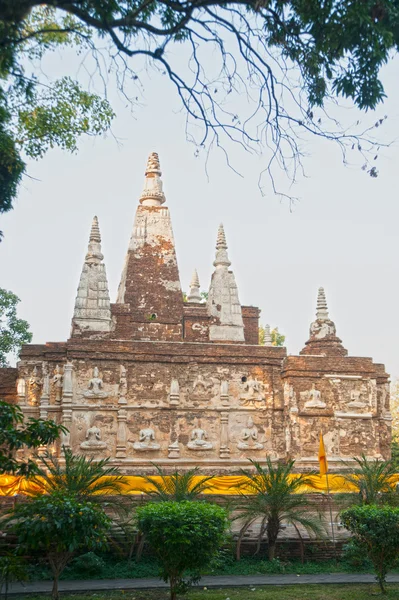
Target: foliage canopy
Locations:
point(16, 434)
point(287, 56)
point(177, 486)
point(13, 331)
point(377, 529)
point(184, 536)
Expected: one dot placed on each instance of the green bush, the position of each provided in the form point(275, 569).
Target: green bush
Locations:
point(88, 564)
point(355, 555)
point(185, 536)
point(376, 528)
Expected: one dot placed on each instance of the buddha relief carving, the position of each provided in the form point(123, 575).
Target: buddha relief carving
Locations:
point(252, 393)
point(146, 442)
point(95, 386)
point(93, 440)
point(312, 398)
point(356, 398)
point(249, 437)
point(198, 439)
point(200, 386)
point(57, 384)
point(35, 384)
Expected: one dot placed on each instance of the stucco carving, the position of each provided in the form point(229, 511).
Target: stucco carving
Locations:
point(122, 386)
point(93, 440)
point(249, 437)
point(200, 386)
point(174, 450)
point(312, 398)
point(35, 384)
point(174, 396)
point(356, 397)
point(146, 441)
point(57, 384)
point(252, 394)
point(95, 386)
point(198, 440)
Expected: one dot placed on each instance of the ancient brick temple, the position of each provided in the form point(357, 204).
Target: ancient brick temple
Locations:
point(183, 382)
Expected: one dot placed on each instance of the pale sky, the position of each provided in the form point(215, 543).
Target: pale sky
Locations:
point(342, 234)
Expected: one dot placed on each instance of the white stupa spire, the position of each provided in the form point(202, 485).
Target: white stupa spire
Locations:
point(194, 295)
point(267, 340)
point(322, 309)
point(152, 194)
point(221, 258)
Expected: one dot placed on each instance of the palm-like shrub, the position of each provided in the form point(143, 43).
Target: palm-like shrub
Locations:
point(85, 478)
point(371, 478)
point(273, 498)
point(177, 487)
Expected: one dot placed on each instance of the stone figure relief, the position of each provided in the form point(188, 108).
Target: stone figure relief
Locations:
point(312, 398)
point(200, 386)
point(198, 439)
point(146, 441)
point(57, 382)
point(249, 437)
point(252, 393)
point(122, 387)
point(21, 389)
point(93, 440)
point(95, 386)
point(174, 395)
point(35, 384)
point(356, 400)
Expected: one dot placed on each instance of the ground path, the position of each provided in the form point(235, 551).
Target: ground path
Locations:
point(216, 581)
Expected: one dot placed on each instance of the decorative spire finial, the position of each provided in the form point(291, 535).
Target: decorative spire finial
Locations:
point(221, 259)
point(94, 254)
point(322, 309)
point(267, 340)
point(152, 194)
point(194, 295)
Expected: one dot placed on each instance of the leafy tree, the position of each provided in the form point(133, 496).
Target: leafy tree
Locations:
point(278, 339)
point(273, 499)
point(15, 434)
point(177, 487)
point(185, 536)
point(377, 530)
point(290, 56)
point(13, 331)
point(372, 478)
point(58, 525)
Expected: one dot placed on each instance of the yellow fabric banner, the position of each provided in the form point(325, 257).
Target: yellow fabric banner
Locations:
point(224, 485)
point(322, 457)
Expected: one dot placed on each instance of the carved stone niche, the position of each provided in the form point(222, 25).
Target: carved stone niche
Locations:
point(252, 393)
point(95, 387)
point(312, 398)
point(146, 441)
point(199, 439)
point(249, 437)
point(357, 397)
point(201, 387)
point(57, 383)
point(93, 441)
point(35, 384)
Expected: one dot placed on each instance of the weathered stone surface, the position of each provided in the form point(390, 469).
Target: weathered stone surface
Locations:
point(186, 384)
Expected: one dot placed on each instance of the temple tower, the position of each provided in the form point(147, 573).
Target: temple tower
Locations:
point(223, 303)
point(323, 338)
point(150, 286)
point(92, 306)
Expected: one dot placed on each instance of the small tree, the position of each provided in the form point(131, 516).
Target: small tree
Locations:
point(15, 434)
point(58, 526)
point(274, 499)
point(372, 479)
point(177, 486)
point(185, 536)
point(377, 529)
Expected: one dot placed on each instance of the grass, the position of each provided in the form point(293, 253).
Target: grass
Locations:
point(292, 592)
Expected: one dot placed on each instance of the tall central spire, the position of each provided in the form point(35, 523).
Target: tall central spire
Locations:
point(152, 194)
point(323, 338)
point(150, 282)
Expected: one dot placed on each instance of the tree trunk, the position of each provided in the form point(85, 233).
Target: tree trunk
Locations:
point(272, 550)
point(54, 591)
point(173, 584)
